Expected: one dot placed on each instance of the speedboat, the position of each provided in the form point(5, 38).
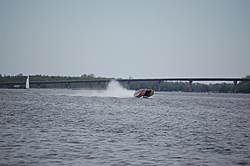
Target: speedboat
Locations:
point(144, 93)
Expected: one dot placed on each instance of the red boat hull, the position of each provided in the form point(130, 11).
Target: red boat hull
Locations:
point(144, 93)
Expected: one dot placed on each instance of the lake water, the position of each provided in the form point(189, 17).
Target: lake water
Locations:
point(110, 127)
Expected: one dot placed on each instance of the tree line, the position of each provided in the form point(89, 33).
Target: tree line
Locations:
point(242, 87)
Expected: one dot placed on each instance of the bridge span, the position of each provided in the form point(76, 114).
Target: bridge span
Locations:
point(190, 80)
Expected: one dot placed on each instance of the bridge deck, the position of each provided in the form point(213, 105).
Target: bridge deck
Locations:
point(127, 80)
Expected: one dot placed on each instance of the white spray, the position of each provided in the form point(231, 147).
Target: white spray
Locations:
point(114, 89)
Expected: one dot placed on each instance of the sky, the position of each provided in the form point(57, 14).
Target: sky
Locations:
point(125, 38)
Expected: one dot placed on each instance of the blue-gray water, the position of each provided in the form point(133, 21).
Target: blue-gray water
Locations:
point(72, 127)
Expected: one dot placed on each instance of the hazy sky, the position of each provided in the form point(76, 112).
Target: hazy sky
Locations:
point(122, 38)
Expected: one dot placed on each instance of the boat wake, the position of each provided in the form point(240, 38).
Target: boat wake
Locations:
point(114, 89)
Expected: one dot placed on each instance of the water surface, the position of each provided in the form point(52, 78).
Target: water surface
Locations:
point(83, 127)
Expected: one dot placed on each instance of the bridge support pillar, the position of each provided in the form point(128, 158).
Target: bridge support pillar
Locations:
point(159, 85)
point(98, 85)
point(190, 86)
point(235, 86)
point(128, 85)
point(68, 85)
point(106, 84)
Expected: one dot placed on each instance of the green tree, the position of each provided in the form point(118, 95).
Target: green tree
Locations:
point(243, 86)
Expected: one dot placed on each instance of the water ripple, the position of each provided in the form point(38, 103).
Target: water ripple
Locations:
point(53, 127)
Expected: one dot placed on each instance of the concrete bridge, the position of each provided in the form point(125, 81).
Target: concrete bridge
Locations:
point(190, 80)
